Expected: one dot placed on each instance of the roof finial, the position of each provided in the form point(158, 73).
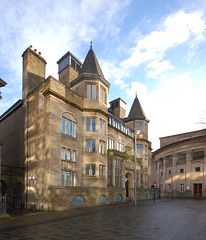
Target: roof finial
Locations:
point(136, 94)
point(91, 45)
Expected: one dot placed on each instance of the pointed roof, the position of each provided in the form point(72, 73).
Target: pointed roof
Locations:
point(91, 64)
point(90, 70)
point(136, 112)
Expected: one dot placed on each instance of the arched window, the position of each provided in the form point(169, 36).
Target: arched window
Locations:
point(78, 200)
point(69, 125)
point(146, 196)
point(119, 198)
point(102, 199)
point(137, 197)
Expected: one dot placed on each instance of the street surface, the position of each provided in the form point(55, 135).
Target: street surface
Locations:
point(166, 219)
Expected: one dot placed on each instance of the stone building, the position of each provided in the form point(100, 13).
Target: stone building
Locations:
point(2, 84)
point(179, 165)
point(72, 149)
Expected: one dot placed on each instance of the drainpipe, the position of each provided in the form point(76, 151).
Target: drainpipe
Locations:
point(27, 174)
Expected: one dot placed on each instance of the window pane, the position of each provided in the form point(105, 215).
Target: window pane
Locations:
point(93, 170)
point(64, 125)
point(68, 155)
point(88, 124)
point(93, 91)
point(68, 179)
point(74, 129)
point(62, 178)
point(139, 126)
point(100, 94)
point(69, 127)
point(73, 179)
point(93, 124)
point(88, 146)
point(62, 153)
point(88, 91)
point(93, 145)
point(73, 156)
point(139, 148)
point(100, 170)
point(198, 155)
point(100, 147)
point(103, 125)
point(87, 170)
point(103, 96)
point(100, 125)
point(103, 147)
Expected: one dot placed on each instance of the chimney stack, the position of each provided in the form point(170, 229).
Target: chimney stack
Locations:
point(34, 69)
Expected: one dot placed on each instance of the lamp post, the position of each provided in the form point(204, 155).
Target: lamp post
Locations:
point(135, 167)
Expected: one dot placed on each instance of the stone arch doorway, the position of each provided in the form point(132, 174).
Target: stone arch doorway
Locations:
point(128, 182)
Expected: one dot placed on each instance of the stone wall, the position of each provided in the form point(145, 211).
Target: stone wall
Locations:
point(61, 197)
point(145, 194)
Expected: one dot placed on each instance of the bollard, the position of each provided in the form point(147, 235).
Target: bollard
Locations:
point(34, 208)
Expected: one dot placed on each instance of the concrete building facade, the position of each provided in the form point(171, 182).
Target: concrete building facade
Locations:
point(73, 150)
point(179, 165)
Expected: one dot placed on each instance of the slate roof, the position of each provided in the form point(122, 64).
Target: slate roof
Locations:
point(91, 64)
point(136, 112)
point(2, 83)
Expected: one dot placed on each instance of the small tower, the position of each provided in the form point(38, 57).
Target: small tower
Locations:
point(118, 108)
point(68, 68)
point(137, 118)
point(91, 84)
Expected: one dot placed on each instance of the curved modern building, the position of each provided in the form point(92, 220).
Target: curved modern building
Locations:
point(180, 165)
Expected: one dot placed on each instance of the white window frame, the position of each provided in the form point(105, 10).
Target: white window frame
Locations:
point(91, 91)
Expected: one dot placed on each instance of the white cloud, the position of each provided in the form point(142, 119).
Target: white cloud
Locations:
point(173, 108)
point(53, 28)
point(178, 28)
point(156, 68)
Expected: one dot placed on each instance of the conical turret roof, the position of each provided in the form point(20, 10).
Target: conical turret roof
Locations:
point(91, 64)
point(136, 112)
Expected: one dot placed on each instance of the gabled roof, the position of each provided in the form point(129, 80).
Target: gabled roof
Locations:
point(91, 64)
point(136, 112)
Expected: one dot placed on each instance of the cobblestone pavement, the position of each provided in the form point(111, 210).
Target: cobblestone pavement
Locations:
point(166, 219)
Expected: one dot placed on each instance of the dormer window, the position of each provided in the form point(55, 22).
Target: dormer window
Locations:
point(91, 91)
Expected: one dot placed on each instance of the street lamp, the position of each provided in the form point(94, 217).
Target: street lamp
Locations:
point(135, 167)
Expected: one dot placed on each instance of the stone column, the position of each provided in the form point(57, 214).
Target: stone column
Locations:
point(174, 172)
point(204, 173)
point(113, 171)
point(164, 174)
point(158, 173)
point(188, 170)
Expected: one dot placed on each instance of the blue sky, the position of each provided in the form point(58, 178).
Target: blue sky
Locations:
point(153, 47)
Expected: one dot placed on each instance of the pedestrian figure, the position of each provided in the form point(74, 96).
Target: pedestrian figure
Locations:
point(153, 197)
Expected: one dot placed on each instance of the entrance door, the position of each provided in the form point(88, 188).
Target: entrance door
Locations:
point(198, 190)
